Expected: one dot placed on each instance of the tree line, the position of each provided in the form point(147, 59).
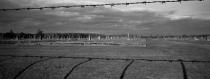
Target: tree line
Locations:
point(40, 35)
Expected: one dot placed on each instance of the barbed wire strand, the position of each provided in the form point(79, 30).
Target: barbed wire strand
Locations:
point(93, 5)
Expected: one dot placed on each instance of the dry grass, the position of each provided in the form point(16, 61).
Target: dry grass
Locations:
point(106, 69)
point(154, 70)
point(198, 70)
point(51, 69)
point(99, 69)
point(12, 67)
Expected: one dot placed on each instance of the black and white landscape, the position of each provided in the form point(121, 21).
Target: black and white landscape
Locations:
point(104, 39)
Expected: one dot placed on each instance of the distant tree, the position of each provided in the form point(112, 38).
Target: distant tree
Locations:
point(40, 34)
point(39, 31)
point(11, 31)
point(10, 35)
point(21, 35)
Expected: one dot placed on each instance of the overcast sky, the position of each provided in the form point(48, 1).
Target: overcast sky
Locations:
point(171, 18)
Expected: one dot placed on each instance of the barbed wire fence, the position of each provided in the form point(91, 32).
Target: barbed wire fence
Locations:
point(94, 5)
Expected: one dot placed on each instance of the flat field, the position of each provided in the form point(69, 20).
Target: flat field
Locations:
point(161, 59)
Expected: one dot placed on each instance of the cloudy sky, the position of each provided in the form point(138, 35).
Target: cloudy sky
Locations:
point(171, 18)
